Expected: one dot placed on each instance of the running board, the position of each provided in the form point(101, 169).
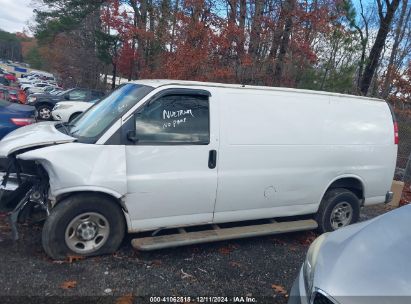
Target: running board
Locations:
point(217, 233)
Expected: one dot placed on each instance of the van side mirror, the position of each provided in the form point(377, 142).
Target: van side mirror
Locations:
point(131, 136)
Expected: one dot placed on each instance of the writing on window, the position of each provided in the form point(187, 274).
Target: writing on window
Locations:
point(174, 119)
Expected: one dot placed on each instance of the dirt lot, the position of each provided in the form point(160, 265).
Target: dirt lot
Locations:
point(262, 267)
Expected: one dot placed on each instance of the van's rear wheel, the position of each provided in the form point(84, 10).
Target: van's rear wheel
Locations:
point(339, 208)
point(86, 225)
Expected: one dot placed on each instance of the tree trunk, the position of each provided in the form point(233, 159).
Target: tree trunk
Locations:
point(388, 78)
point(285, 41)
point(375, 53)
point(173, 26)
point(256, 29)
point(243, 14)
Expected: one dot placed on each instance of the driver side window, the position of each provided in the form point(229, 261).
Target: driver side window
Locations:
point(174, 119)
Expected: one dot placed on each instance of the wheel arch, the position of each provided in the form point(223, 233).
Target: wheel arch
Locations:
point(45, 103)
point(54, 233)
point(352, 182)
point(115, 197)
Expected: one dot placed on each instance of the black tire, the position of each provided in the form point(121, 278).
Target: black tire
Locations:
point(74, 116)
point(42, 110)
point(54, 229)
point(331, 199)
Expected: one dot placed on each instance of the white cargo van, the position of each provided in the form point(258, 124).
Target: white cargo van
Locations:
point(162, 154)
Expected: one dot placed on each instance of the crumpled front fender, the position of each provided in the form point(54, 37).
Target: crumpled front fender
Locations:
point(82, 167)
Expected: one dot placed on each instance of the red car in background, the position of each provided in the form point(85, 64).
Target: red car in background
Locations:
point(10, 77)
point(13, 94)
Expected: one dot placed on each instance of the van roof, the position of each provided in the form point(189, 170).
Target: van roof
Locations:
point(163, 82)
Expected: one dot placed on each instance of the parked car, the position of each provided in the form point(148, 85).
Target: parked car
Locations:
point(4, 93)
point(4, 81)
point(40, 88)
point(51, 90)
point(17, 96)
point(34, 79)
point(66, 111)
point(40, 84)
point(55, 91)
point(364, 263)
point(13, 116)
point(41, 76)
point(155, 155)
point(13, 94)
point(46, 102)
point(28, 80)
point(10, 77)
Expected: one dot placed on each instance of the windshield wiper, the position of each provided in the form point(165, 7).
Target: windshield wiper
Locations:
point(66, 127)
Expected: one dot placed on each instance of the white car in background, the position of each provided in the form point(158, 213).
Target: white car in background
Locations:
point(42, 89)
point(55, 91)
point(66, 111)
point(29, 79)
point(36, 85)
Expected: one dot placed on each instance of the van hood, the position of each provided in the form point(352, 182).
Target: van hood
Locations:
point(35, 135)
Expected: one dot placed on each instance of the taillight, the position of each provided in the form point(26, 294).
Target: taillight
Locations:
point(394, 120)
point(396, 137)
point(22, 121)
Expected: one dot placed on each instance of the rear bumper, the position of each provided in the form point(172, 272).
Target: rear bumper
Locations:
point(389, 196)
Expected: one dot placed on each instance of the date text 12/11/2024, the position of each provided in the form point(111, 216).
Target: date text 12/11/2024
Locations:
point(206, 299)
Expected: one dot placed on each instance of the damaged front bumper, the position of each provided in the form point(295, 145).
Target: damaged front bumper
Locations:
point(23, 194)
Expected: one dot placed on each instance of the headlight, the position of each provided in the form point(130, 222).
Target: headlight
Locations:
point(311, 261)
point(31, 99)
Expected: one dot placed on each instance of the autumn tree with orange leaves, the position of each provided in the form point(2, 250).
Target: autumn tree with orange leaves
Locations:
point(315, 44)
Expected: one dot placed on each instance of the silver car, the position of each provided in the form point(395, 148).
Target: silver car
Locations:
point(369, 262)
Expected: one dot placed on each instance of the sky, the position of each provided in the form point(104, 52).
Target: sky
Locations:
point(14, 15)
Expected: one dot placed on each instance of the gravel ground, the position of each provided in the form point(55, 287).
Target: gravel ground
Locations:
point(261, 267)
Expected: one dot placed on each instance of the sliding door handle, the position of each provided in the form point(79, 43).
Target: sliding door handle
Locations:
point(212, 159)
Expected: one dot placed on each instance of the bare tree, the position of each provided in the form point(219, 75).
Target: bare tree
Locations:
point(289, 6)
point(375, 53)
point(399, 35)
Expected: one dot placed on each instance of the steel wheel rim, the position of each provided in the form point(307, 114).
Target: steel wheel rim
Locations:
point(87, 232)
point(341, 215)
point(44, 113)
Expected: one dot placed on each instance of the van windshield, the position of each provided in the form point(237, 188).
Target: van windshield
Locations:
point(96, 120)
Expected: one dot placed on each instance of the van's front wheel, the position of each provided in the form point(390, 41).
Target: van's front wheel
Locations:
point(339, 208)
point(85, 225)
